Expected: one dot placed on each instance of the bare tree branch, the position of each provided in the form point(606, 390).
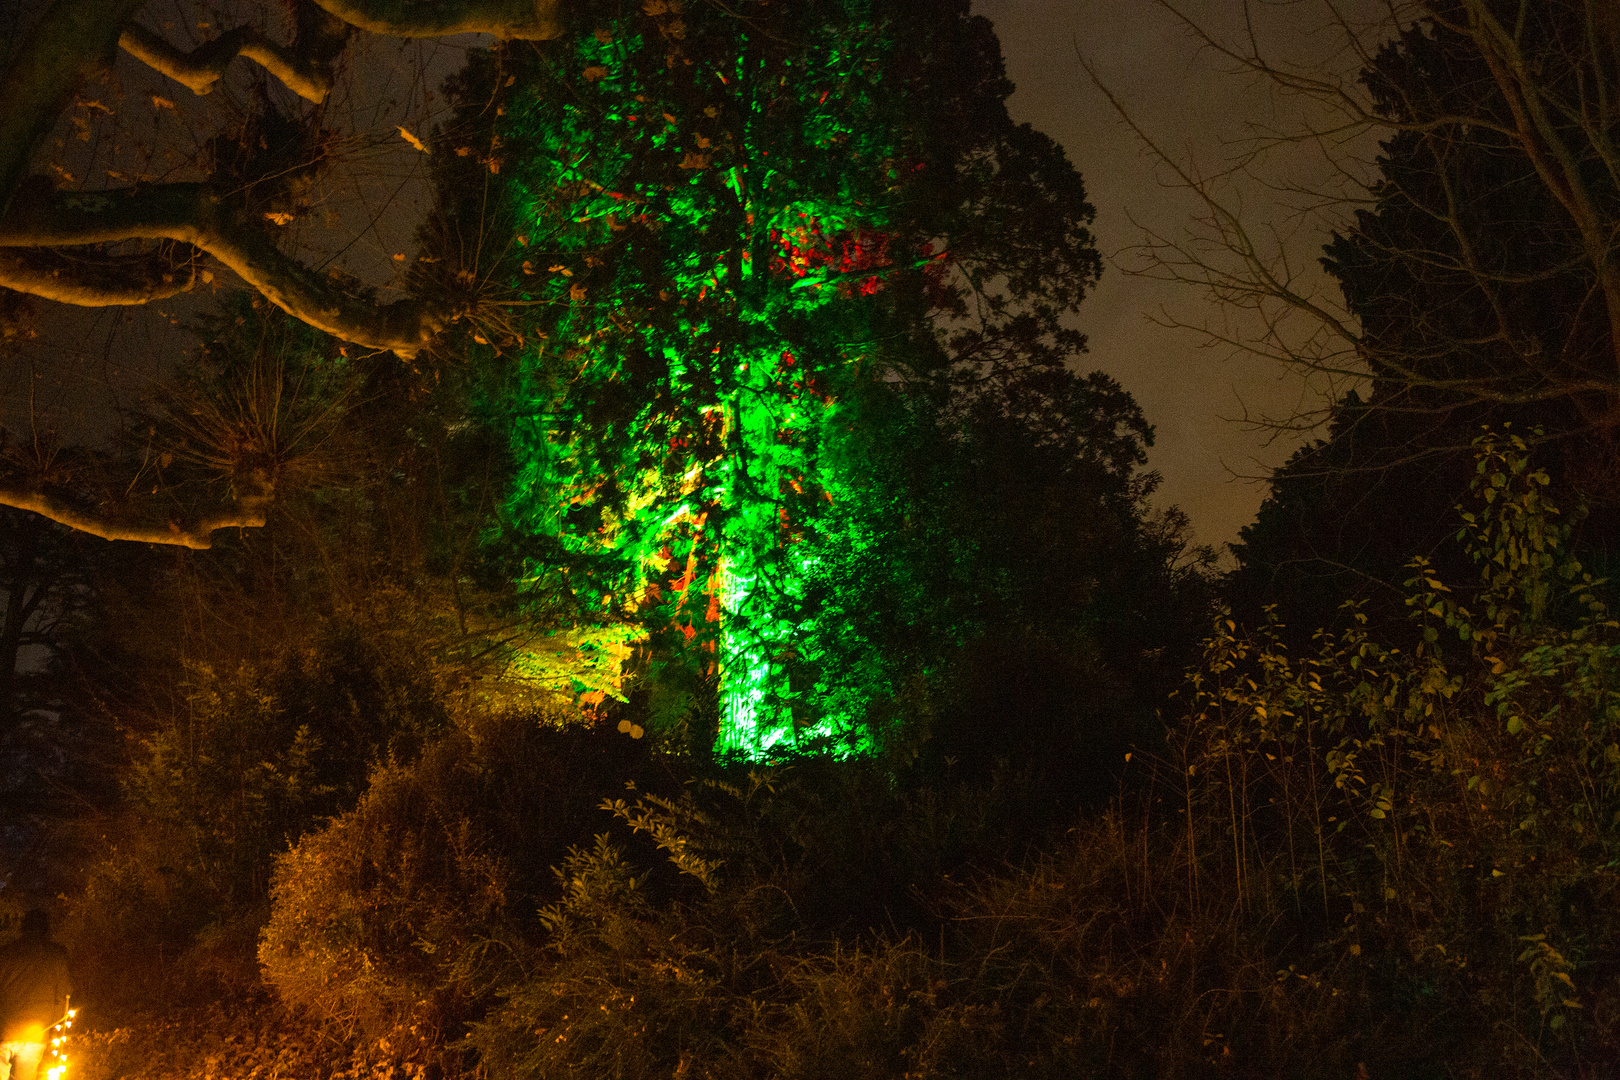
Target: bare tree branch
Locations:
point(99, 281)
point(528, 20)
point(199, 69)
point(1526, 320)
point(250, 514)
point(200, 215)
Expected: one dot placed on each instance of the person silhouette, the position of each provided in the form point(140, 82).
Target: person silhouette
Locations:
point(34, 992)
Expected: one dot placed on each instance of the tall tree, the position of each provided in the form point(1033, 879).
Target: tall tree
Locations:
point(1484, 289)
point(732, 226)
point(1477, 267)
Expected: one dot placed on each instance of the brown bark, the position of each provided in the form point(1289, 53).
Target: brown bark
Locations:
point(529, 20)
point(105, 281)
point(200, 215)
point(72, 41)
point(249, 513)
point(199, 69)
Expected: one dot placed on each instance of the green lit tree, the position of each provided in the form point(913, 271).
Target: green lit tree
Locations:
point(732, 228)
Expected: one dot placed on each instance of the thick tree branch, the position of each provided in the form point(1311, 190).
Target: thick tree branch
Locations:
point(73, 40)
point(250, 514)
point(199, 69)
point(103, 281)
point(198, 214)
point(530, 20)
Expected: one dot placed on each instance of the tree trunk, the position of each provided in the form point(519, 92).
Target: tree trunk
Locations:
point(73, 41)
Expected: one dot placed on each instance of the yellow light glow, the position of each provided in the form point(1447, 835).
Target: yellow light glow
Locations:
point(59, 1059)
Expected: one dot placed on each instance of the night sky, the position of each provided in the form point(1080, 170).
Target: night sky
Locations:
point(1192, 102)
point(1185, 96)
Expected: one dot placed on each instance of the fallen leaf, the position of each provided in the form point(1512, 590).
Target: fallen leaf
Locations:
point(412, 139)
point(162, 102)
point(278, 216)
point(399, 256)
point(595, 72)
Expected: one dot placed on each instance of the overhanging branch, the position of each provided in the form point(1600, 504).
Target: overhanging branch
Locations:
point(101, 281)
point(198, 214)
point(199, 69)
point(530, 20)
point(250, 514)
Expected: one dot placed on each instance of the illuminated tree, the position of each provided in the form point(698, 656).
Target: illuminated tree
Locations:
point(734, 227)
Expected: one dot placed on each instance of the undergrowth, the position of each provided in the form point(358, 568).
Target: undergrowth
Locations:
point(1364, 861)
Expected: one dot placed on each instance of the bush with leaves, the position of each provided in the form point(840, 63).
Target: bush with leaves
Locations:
point(409, 908)
point(1445, 814)
point(238, 765)
point(1081, 962)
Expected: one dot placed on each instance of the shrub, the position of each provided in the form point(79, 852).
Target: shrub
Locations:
point(410, 908)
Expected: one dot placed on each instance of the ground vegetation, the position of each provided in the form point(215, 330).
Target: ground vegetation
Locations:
point(390, 799)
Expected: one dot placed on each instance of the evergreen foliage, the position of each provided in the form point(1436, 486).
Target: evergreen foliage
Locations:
point(738, 228)
point(1483, 292)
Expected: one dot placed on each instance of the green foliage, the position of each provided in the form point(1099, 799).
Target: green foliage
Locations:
point(1455, 803)
point(1379, 858)
point(995, 585)
point(736, 227)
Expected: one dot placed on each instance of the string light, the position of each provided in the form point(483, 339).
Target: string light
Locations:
point(58, 1059)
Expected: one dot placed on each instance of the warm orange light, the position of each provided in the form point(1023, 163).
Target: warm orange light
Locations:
point(58, 1053)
